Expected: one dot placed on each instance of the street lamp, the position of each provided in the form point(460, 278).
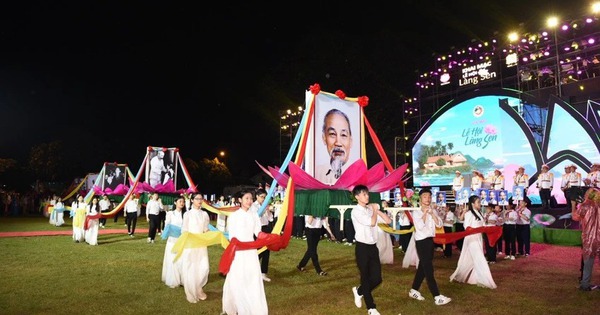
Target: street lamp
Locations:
point(289, 121)
point(552, 22)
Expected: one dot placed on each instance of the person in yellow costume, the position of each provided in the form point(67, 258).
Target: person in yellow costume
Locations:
point(78, 211)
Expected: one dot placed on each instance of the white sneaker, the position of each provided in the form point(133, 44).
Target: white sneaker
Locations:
point(357, 298)
point(442, 300)
point(512, 257)
point(265, 278)
point(507, 257)
point(373, 311)
point(415, 295)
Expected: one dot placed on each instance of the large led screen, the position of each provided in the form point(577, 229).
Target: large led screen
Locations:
point(475, 134)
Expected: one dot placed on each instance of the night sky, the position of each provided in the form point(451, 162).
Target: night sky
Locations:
point(109, 78)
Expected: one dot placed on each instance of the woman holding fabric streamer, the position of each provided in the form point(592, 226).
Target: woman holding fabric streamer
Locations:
point(194, 259)
point(243, 290)
point(58, 212)
point(91, 223)
point(472, 266)
point(172, 270)
point(78, 209)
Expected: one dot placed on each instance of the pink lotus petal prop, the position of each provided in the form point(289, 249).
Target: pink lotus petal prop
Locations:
point(120, 190)
point(303, 180)
point(375, 173)
point(281, 178)
point(169, 187)
point(263, 169)
point(354, 175)
point(97, 190)
point(390, 181)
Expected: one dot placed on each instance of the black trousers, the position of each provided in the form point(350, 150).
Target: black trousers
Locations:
point(349, 230)
point(163, 218)
point(334, 223)
point(448, 248)
point(102, 220)
point(154, 225)
point(523, 238)
point(116, 217)
point(369, 266)
point(266, 254)
point(545, 196)
point(509, 231)
point(313, 236)
point(298, 228)
point(425, 269)
point(499, 243)
point(405, 238)
point(459, 227)
point(131, 220)
point(490, 251)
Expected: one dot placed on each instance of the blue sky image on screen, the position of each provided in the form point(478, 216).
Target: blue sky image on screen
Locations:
point(478, 130)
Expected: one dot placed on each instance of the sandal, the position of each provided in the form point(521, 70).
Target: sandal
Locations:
point(301, 269)
point(322, 273)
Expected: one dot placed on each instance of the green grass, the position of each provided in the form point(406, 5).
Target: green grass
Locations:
point(53, 275)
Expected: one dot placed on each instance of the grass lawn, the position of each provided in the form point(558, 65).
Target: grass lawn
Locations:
point(54, 275)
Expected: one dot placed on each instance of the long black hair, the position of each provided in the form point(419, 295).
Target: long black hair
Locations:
point(472, 200)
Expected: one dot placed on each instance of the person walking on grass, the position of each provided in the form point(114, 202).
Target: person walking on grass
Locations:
point(153, 208)
point(364, 218)
point(132, 210)
point(588, 214)
point(194, 258)
point(472, 267)
point(265, 221)
point(426, 221)
point(243, 290)
point(172, 270)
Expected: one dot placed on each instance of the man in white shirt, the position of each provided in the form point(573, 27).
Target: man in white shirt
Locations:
point(564, 183)
point(104, 206)
point(521, 179)
point(153, 208)
point(545, 182)
point(476, 181)
point(457, 183)
point(575, 184)
point(364, 218)
point(265, 221)
point(592, 179)
point(426, 221)
point(132, 209)
point(497, 180)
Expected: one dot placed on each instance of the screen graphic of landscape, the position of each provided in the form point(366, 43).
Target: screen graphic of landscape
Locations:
point(473, 135)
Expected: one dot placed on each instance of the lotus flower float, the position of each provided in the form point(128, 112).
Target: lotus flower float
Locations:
point(357, 174)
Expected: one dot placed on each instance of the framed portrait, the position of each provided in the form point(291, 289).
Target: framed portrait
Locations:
point(483, 196)
point(518, 193)
point(397, 197)
point(440, 198)
point(493, 195)
point(161, 167)
point(114, 174)
point(502, 198)
point(335, 142)
point(463, 195)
